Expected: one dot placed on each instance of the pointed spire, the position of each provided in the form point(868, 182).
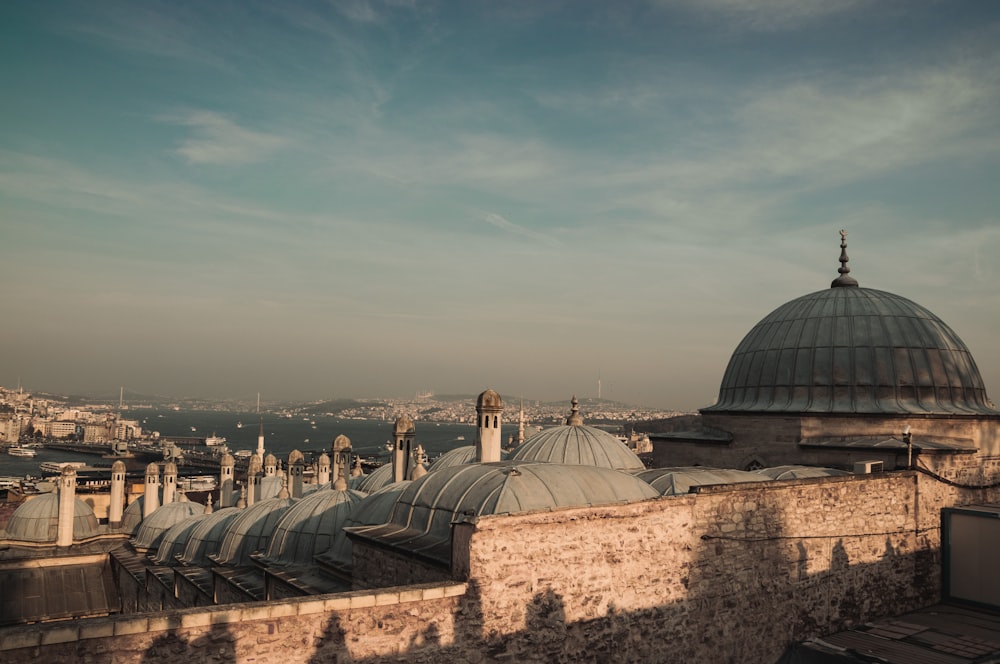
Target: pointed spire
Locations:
point(208, 505)
point(574, 419)
point(242, 502)
point(844, 281)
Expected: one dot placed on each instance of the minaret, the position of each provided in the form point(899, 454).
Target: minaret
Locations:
point(403, 432)
point(520, 425)
point(116, 507)
point(488, 409)
point(151, 500)
point(227, 467)
point(296, 468)
point(260, 437)
point(169, 482)
point(67, 505)
point(323, 470)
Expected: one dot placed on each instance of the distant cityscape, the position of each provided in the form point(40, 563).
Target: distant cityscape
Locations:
point(25, 414)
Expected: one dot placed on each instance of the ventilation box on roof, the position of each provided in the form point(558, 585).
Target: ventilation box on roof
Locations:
point(868, 467)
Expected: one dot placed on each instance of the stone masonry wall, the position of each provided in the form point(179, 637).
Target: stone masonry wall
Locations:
point(732, 574)
point(351, 627)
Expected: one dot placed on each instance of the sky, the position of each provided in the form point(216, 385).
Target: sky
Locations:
point(317, 200)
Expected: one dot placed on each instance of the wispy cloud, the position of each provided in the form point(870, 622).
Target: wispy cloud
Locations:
point(766, 15)
point(216, 139)
point(503, 224)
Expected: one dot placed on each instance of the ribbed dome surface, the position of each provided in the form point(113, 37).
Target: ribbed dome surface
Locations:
point(250, 531)
point(378, 478)
point(677, 481)
point(37, 520)
point(206, 538)
point(852, 350)
point(422, 518)
point(175, 539)
point(311, 526)
point(374, 509)
point(153, 527)
point(458, 457)
point(578, 444)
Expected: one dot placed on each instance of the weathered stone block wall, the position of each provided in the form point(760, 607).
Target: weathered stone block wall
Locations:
point(352, 627)
point(731, 574)
point(377, 567)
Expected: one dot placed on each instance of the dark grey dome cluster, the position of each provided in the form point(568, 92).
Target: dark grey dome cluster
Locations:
point(849, 349)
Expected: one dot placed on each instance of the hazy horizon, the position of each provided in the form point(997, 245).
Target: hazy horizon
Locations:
point(316, 199)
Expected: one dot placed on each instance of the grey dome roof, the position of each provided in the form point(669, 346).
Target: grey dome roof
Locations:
point(153, 527)
point(458, 456)
point(206, 537)
point(852, 350)
point(578, 444)
point(175, 539)
point(270, 486)
point(490, 400)
point(311, 526)
point(378, 478)
point(37, 520)
point(374, 509)
point(250, 531)
point(676, 481)
point(798, 472)
point(423, 514)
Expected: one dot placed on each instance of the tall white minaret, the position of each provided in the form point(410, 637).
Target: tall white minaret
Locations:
point(403, 432)
point(520, 424)
point(116, 507)
point(151, 496)
point(67, 507)
point(488, 409)
point(260, 436)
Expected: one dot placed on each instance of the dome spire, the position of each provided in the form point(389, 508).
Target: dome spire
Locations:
point(574, 419)
point(844, 281)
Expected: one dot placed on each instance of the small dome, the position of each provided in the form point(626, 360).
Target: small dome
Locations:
point(170, 468)
point(270, 460)
point(458, 457)
point(378, 478)
point(324, 460)
point(153, 527)
point(311, 526)
point(677, 481)
point(576, 443)
point(37, 520)
point(341, 442)
point(295, 456)
point(374, 509)
point(227, 460)
point(132, 516)
point(175, 539)
point(118, 467)
point(423, 514)
point(206, 537)
point(489, 400)
point(250, 531)
point(153, 468)
point(798, 472)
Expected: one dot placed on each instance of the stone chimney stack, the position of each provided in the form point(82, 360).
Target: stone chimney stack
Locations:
point(169, 483)
point(403, 448)
point(226, 482)
point(151, 495)
point(296, 470)
point(323, 471)
point(67, 505)
point(116, 507)
point(489, 406)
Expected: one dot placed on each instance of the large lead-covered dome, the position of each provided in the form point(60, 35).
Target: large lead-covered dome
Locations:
point(852, 350)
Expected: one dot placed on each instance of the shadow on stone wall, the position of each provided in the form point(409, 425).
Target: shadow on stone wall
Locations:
point(218, 645)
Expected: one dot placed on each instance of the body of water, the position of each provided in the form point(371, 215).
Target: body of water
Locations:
point(313, 434)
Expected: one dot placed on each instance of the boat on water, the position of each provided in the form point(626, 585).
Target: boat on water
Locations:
point(242, 454)
point(21, 451)
point(56, 467)
point(239, 425)
point(214, 441)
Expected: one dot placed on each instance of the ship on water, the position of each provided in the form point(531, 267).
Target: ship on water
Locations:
point(21, 451)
